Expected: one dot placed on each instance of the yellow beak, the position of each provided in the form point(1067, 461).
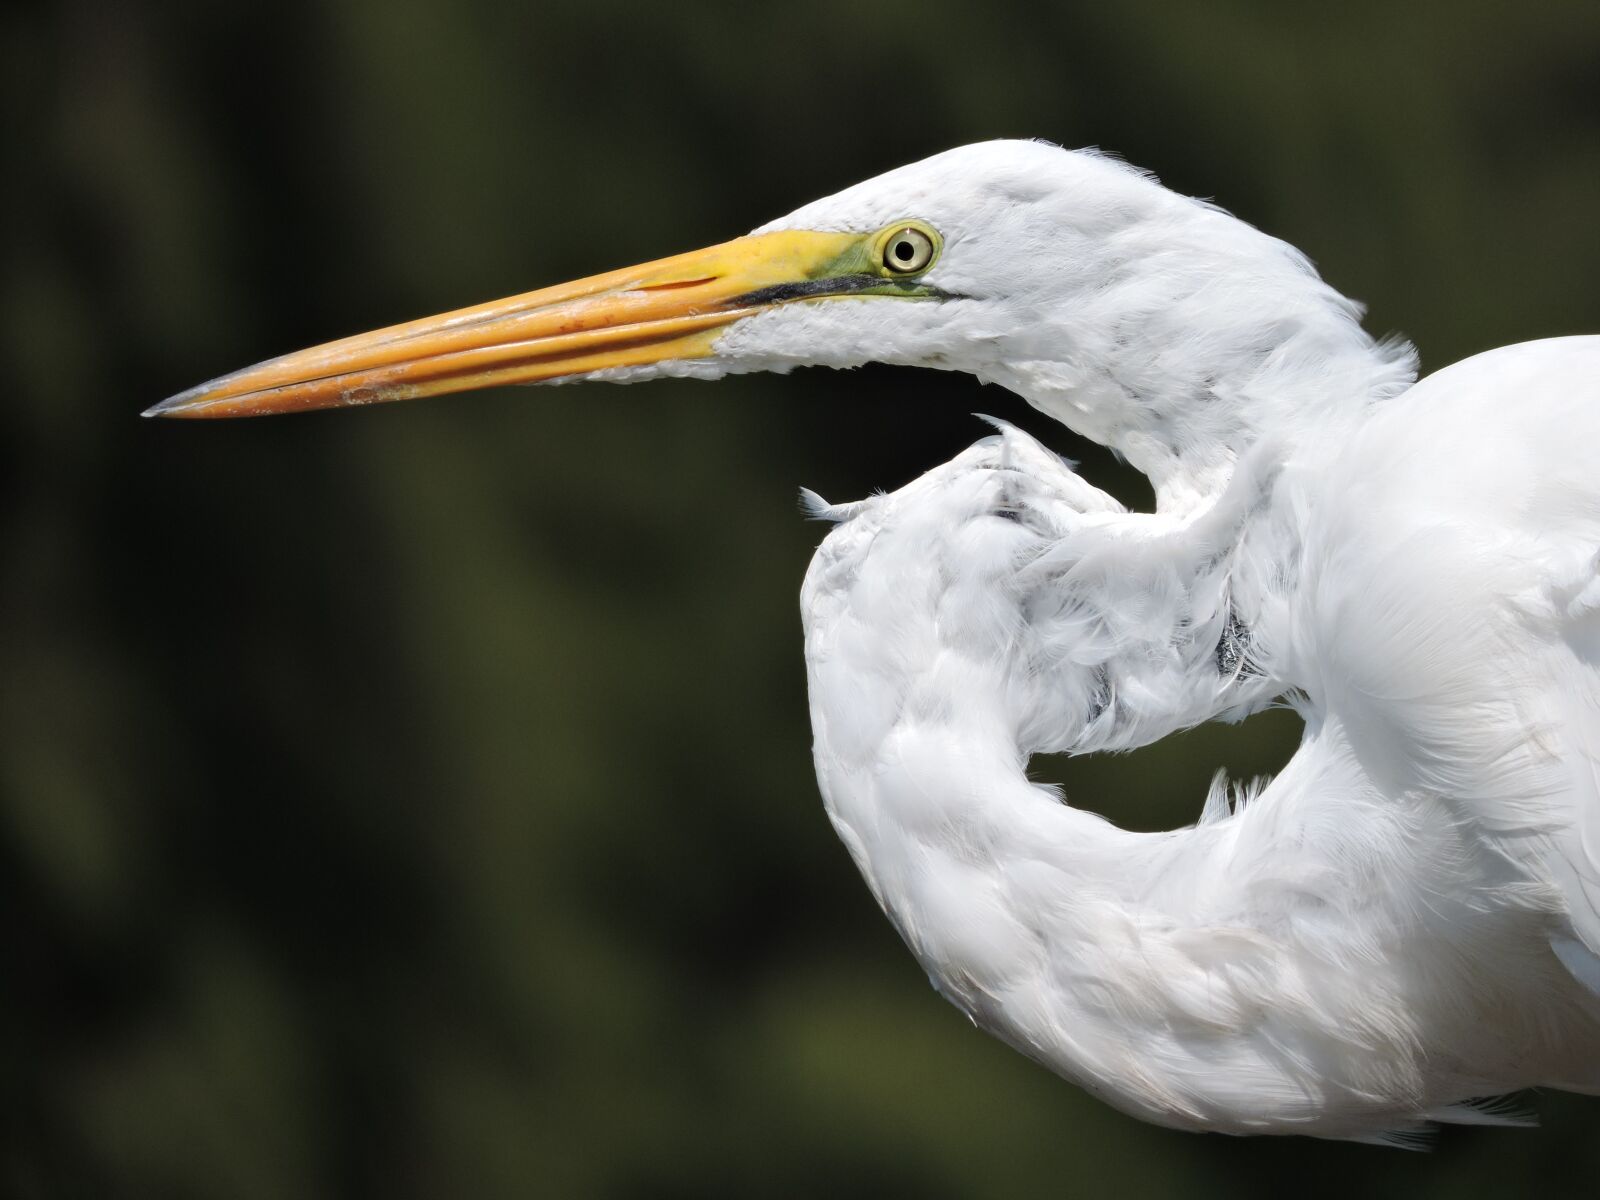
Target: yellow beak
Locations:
point(673, 308)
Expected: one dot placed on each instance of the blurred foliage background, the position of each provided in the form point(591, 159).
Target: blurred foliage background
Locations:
point(417, 802)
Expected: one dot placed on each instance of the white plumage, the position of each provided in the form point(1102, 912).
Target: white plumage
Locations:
point(1407, 920)
point(1365, 945)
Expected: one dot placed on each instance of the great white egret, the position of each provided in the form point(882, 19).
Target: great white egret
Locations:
point(1407, 920)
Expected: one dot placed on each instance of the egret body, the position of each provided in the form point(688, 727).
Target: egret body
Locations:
point(1407, 919)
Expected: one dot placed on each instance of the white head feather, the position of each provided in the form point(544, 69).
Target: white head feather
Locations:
point(1153, 323)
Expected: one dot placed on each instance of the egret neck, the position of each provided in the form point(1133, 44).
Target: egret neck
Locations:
point(1193, 335)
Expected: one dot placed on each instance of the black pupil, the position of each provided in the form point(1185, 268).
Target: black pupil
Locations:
point(904, 251)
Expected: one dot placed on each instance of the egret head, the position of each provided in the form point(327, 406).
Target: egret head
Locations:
point(1137, 316)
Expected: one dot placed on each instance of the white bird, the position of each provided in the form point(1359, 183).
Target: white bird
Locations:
point(1407, 920)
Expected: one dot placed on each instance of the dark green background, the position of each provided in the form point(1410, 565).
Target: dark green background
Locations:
point(417, 802)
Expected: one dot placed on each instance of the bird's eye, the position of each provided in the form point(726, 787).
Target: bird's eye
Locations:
point(907, 250)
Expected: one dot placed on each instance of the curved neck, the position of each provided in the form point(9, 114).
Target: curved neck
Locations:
point(1198, 336)
point(1186, 423)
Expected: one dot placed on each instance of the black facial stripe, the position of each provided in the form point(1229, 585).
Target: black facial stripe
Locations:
point(838, 285)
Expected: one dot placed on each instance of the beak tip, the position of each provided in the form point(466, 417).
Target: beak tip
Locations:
point(190, 403)
point(168, 409)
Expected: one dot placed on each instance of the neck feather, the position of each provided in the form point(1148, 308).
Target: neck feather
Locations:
point(1197, 337)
